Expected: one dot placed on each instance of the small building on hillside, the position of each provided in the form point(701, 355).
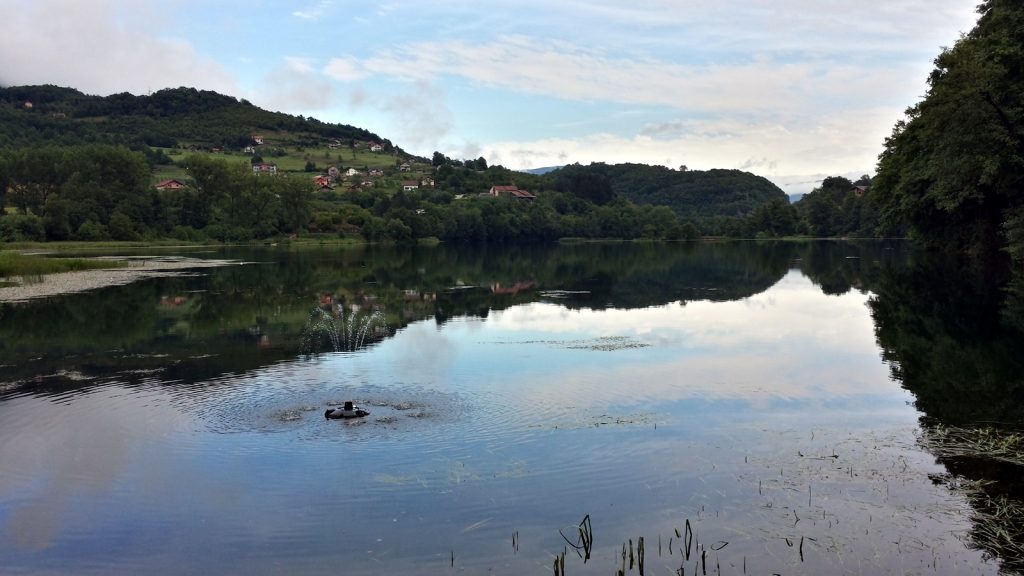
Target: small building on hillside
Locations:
point(405, 167)
point(322, 180)
point(410, 185)
point(376, 172)
point(376, 147)
point(859, 190)
point(257, 139)
point(172, 184)
point(427, 182)
point(333, 173)
point(264, 168)
point(352, 172)
point(511, 191)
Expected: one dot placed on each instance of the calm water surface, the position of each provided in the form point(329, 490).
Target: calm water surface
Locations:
point(771, 396)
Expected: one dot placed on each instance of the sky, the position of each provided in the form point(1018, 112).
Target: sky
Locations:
point(793, 90)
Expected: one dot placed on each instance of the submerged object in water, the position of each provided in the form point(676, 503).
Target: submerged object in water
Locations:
point(347, 411)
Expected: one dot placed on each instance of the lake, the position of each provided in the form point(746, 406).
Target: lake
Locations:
point(728, 408)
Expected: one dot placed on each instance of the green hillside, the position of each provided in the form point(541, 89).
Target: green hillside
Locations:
point(37, 115)
point(692, 194)
point(196, 165)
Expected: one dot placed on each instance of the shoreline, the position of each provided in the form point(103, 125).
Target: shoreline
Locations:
point(139, 268)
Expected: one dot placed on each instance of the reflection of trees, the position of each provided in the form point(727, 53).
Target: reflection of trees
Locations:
point(938, 322)
point(952, 336)
point(248, 316)
point(837, 267)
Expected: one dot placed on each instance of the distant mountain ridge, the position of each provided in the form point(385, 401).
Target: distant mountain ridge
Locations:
point(541, 171)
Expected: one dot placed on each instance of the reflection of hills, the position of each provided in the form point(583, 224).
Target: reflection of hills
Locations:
point(624, 276)
point(238, 318)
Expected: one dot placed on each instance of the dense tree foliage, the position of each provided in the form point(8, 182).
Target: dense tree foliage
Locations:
point(692, 194)
point(63, 116)
point(840, 207)
point(953, 169)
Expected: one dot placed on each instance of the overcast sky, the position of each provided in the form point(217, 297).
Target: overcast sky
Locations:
point(793, 90)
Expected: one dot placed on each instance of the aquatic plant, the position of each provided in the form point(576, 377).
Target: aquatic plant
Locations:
point(346, 332)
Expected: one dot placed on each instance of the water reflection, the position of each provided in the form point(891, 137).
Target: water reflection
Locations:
point(955, 341)
point(737, 386)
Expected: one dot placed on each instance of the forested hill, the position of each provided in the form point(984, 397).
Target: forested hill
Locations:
point(51, 115)
point(692, 194)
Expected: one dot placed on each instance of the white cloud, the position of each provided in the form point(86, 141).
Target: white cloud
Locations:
point(758, 85)
point(100, 48)
point(299, 64)
point(295, 86)
point(346, 69)
point(420, 117)
point(314, 12)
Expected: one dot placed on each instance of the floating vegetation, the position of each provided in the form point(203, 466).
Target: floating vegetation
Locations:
point(602, 344)
point(983, 442)
point(986, 466)
point(607, 344)
point(346, 332)
point(562, 294)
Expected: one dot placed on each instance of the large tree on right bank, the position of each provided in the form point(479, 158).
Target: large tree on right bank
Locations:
point(953, 169)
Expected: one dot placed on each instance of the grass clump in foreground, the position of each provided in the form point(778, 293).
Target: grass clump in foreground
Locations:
point(13, 264)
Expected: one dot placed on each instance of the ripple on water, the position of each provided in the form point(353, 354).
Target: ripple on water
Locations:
point(286, 399)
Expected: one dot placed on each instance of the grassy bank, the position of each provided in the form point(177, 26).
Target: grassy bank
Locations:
point(14, 264)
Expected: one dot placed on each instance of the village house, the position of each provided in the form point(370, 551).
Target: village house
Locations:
point(351, 172)
point(410, 185)
point(249, 149)
point(405, 167)
point(333, 173)
point(367, 184)
point(264, 168)
point(512, 191)
point(322, 180)
point(859, 190)
point(427, 182)
point(172, 184)
point(376, 147)
point(376, 172)
point(257, 139)
point(334, 144)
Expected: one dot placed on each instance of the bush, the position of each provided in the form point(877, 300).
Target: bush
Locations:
point(91, 231)
point(187, 234)
point(22, 228)
point(121, 227)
